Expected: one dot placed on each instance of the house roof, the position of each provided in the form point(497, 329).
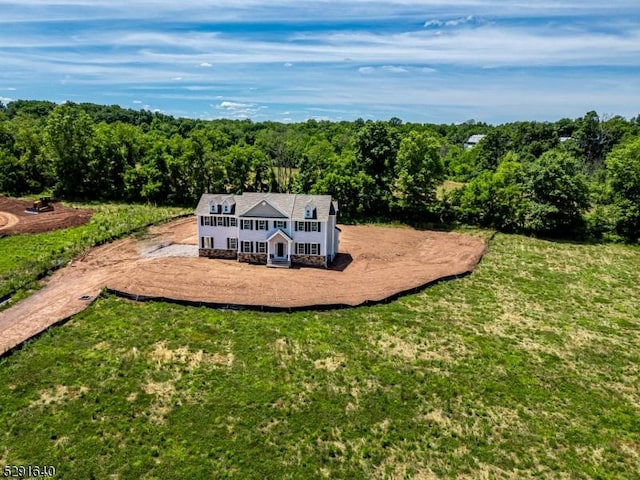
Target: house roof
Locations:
point(281, 233)
point(473, 139)
point(291, 205)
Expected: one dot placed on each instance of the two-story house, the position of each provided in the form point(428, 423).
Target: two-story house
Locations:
point(275, 229)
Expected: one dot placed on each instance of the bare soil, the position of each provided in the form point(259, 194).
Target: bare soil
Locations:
point(374, 263)
point(14, 219)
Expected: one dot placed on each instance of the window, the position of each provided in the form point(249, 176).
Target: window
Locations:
point(247, 225)
point(261, 247)
point(307, 226)
point(207, 221)
point(279, 224)
point(225, 207)
point(247, 247)
point(206, 242)
point(307, 249)
point(232, 244)
point(213, 208)
point(224, 221)
point(261, 224)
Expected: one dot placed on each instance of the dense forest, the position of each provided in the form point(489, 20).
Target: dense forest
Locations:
point(574, 178)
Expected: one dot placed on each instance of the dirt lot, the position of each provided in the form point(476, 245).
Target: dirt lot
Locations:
point(13, 218)
point(376, 262)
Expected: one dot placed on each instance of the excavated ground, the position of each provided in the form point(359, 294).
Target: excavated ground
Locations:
point(14, 219)
point(375, 263)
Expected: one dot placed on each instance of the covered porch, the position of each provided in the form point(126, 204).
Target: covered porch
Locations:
point(279, 249)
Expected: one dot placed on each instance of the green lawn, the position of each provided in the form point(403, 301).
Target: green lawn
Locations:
point(24, 258)
point(530, 367)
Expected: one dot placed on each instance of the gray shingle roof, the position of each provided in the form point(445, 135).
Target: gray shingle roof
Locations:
point(291, 205)
point(473, 139)
point(203, 205)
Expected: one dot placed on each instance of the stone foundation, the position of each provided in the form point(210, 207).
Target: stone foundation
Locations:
point(217, 253)
point(308, 260)
point(259, 258)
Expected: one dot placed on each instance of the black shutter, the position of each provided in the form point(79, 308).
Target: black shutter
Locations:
point(319, 223)
point(241, 224)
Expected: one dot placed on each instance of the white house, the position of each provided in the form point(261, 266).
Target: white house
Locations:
point(275, 229)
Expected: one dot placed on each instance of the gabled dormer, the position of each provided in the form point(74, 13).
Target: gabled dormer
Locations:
point(214, 207)
point(227, 205)
point(310, 210)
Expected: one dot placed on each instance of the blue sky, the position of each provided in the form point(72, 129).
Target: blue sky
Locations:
point(425, 61)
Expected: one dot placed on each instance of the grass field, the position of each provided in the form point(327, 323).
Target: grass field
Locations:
point(24, 258)
point(530, 367)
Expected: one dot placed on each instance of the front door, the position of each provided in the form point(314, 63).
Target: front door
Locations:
point(280, 250)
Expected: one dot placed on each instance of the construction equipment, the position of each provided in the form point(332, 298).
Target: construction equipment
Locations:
point(41, 206)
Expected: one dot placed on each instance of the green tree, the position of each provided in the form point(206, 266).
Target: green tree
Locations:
point(349, 185)
point(69, 135)
point(419, 170)
point(493, 199)
point(376, 151)
point(556, 194)
point(623, 173)
point(243, 164)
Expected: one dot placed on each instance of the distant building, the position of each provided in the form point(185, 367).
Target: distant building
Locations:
point(275, 229)
point(473, 140)
point(564, 139)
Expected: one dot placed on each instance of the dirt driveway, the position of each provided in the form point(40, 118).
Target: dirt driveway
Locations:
point(376, 262)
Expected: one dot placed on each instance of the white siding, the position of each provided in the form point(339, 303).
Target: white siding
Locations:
point(219, 234)
point(313, 237)
point(262, 235)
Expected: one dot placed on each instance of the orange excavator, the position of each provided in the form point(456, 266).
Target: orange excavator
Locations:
point(41, 206)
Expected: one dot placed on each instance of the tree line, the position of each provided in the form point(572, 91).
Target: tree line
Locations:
point(571, 178)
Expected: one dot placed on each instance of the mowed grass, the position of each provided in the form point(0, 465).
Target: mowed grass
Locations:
point(26, 257)
point(530, 367)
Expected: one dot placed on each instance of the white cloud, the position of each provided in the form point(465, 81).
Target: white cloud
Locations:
point(206, 64)
point(394, 69)
point(234, 105)
point(288, 65)
point(5, 100)
point(366, 70)
point(137, 102)
point(240, 110)
point(458, 21)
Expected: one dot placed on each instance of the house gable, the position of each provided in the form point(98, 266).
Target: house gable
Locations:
point(263, 209)
point(279, 233)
